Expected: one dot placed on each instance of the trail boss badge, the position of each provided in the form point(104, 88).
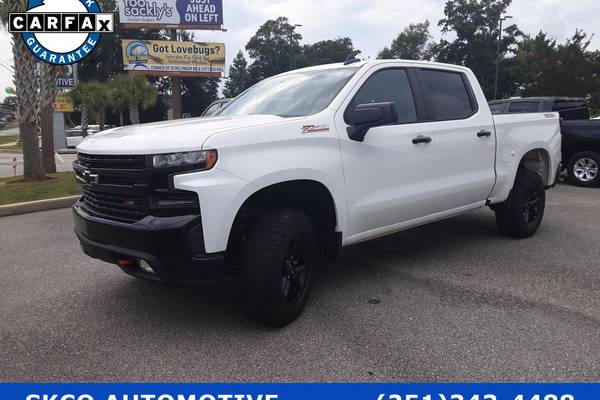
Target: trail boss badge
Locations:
point(61, 32)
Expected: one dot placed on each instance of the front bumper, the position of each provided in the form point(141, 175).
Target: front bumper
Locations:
point(173, 247)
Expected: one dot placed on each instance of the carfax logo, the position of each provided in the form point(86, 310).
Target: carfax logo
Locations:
point(61, 32)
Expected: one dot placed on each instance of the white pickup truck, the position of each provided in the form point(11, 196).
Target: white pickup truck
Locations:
point(303, 164)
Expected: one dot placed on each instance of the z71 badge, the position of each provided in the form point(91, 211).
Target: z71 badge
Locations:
point(306, 129)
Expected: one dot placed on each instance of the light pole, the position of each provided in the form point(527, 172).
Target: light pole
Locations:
point(502, 19)
point(292, 45)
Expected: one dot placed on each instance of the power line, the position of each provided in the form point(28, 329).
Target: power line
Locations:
point(9, 69)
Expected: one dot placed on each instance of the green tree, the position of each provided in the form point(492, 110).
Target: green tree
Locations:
point(548, 68)
point(24, 67)
point(137, 92)
point(10, 103)
point(104, 101)
point(476, 25)
point(328, 52)
point(198, 94)
point(238, 79)
point(119, 99)
point(413, 43)
point(275, 48)
point(85, 95)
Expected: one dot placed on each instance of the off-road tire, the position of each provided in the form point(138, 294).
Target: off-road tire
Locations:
point(267, 265)
point(521, 215)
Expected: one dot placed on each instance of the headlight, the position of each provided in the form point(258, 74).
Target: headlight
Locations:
point(205, 160)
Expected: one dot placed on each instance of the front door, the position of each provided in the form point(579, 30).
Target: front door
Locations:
point(390, 176)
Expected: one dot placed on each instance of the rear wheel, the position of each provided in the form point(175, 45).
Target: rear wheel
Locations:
point(521, 215)
point(584, 169)
point(277, 267)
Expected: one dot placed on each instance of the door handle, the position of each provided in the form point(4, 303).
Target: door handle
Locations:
point(422, 139)
point(484, 134)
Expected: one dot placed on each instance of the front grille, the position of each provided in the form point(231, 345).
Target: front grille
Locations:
point(119, 188)
point(112, 162)
point(115, 207)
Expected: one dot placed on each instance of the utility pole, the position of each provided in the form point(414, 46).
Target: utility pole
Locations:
point(176, 88)
point(292, 45)
point(502, 19)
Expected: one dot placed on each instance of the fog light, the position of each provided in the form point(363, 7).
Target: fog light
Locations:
point(127, 262)
point(146, 267)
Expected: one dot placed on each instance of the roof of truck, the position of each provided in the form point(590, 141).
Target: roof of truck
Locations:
point(362, 63)
point(539, 98)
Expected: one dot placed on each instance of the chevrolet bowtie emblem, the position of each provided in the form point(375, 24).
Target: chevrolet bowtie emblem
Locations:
point(92, 179)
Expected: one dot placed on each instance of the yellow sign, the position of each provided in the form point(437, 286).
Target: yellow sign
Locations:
point(164, 58)
point(63, 102)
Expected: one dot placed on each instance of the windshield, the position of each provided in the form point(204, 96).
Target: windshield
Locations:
point(297, 94)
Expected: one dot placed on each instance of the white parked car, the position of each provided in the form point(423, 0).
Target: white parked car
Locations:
point(75, 135)
point(303, 164)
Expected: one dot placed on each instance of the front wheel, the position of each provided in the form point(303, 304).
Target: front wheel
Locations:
point(522, 214)
point(584, 169)
point(277, 267)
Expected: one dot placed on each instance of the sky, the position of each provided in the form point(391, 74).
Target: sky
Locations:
point(370, 24)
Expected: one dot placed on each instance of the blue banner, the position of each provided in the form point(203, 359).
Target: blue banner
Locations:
point(299, 391)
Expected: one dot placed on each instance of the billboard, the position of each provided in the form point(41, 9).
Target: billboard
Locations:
point(177, 14)
point(63, 102)
point(67, 77)
point(171, 58)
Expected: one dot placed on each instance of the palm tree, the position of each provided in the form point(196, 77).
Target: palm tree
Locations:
point(48, 74)
point(136, 91)
point(119, 98)
point(84, 95)
point(102, 101)
point(26, 95)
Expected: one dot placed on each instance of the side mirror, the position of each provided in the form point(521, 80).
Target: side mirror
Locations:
point(367, 116)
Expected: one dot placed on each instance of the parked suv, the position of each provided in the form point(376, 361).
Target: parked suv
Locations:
point(215, 107)
point(569, 108)
point(302, 164)
point(581, 136)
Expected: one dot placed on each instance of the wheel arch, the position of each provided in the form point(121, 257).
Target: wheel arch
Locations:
point(310, 196)
point(538, 160)
point(537, 157)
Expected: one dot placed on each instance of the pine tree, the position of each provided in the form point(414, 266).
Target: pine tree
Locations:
point(238, 80)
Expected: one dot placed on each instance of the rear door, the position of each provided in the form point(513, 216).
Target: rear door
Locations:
point(390, 176)
point(465, 147)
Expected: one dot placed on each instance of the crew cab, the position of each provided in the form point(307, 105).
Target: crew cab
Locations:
point(303, 164)
point(581, 135)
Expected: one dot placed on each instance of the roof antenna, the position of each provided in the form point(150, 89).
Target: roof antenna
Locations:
point(351, 59)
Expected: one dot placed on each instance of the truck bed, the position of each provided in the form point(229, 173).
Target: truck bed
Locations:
point(516, 135)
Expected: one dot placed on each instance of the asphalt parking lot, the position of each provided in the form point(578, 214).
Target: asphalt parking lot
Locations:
point(452, 301)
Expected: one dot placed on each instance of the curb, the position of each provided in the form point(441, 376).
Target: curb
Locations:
point(37, 206)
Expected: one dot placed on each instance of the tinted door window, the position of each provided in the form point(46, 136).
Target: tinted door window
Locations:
point(524, 107)
point(390, 85)
point(575, 114)
point(448, 95)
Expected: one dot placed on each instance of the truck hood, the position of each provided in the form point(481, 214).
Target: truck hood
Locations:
point(169, 136)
